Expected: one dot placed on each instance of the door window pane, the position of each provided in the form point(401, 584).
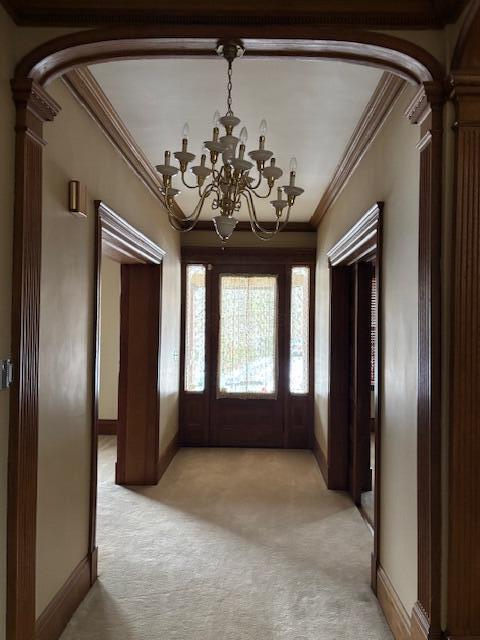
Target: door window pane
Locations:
point(299, 330)
point(248, 335)
point(195, 328)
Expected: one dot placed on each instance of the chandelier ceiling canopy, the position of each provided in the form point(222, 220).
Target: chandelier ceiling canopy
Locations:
point(228, 182)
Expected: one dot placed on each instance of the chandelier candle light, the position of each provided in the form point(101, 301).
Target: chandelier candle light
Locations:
point(230, 184)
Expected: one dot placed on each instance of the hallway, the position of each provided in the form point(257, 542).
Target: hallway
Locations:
point(231, 545)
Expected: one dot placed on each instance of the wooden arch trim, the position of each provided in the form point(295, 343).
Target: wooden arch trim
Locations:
point(393, 54)
point(33, 108)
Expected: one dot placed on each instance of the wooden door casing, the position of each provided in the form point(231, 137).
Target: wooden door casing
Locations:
point(290, 423)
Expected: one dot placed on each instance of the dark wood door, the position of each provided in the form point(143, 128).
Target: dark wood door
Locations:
point(138, 406)
point(248, 387)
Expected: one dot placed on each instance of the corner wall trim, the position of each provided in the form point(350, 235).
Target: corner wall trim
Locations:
point(371, 121)
point(54, 619)
point(395, 613)
point(321, 459)
point(168, 455)
point(107, 427)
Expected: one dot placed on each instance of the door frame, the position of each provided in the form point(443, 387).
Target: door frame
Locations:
point(216, 257)
point(121, 241)
point(361, 243)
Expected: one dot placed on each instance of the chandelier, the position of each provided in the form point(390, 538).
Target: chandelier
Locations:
point(228, 181)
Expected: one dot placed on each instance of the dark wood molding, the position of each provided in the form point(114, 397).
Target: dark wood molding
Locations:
point(463, 599)
point(371, 121)
point(125, 239)
point(366, 14)
point(321, 459)
point(395, 613)
point(305, 227)
point(107, 427)
point(360, 242)
point(248, 255)
point(88, 92)
point(426, 110)
point(168, 455)
point(33, 108)
point(466, 48)
point(372, 48)
point(54, 619)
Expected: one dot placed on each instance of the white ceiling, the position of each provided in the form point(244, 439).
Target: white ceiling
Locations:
point(311, 106)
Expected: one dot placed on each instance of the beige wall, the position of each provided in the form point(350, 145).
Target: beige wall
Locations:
point(77, 149)
point(6, 228)
point(109, 339)
point(389, 172)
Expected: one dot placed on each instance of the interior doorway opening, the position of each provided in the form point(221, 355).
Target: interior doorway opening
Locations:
point(354, 428)
point(127, 346)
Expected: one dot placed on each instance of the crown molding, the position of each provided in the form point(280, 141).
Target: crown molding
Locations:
point(364, 14)
point(371, 121)
point(88, 92)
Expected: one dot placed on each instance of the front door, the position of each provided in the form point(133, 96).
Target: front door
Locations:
point(248, 356)
point(247, 352)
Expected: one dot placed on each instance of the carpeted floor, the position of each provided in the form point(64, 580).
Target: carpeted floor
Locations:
point(233, 544)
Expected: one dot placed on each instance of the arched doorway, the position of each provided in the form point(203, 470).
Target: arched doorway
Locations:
point(34, 107)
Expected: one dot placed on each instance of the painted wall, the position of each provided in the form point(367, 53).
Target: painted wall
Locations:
point(388, 172)
point(77, 149)
point(109, 339)
point(6, 230)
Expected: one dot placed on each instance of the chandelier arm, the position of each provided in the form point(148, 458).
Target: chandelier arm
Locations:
point(259, 181)
point(279, 226)
point(257, 232)
point(257, 195)
point(176, 224)
point(172, 213)
point(186, 183)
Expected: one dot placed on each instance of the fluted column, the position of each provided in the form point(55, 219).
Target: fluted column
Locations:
point(34, 107)
point(463, 601)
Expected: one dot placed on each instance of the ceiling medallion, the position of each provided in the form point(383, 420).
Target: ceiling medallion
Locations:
point(228, 181)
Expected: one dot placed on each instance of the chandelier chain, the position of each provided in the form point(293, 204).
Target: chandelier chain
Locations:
point(229, 90)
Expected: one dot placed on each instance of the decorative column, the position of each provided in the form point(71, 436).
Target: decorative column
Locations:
point(34, 106)
point(463, 602)
point(426, 110)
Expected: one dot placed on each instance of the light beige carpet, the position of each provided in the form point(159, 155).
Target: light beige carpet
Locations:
point(235, 544)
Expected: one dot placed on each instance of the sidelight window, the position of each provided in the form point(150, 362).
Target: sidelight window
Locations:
point(195, 328)
point(247, 363)
point(299, 330)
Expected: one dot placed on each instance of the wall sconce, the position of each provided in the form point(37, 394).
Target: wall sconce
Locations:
point(77, 198)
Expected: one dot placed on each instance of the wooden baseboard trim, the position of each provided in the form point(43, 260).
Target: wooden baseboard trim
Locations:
point(395, 613)
point(107, 427)
point(321, 459)
point(54, 619)
point(168, 455)
point(421, 628)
